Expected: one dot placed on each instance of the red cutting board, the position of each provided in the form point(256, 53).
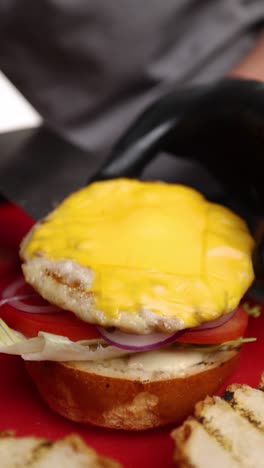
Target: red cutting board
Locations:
point(22, 410)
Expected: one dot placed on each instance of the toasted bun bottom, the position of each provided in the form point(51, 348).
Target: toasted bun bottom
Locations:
point(84, 395)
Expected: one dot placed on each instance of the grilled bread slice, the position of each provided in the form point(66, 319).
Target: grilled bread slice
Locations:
point(195, 447)
point(261, 383)
point(224, 432)
point(33, 452)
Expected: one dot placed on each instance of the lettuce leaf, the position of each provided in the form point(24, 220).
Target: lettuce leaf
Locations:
point(47, 346)
point(253, 311)
point(50, 347)
point(233, 344)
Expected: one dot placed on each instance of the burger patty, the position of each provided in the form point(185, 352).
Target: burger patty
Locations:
point(68, 285)
point(142, 257)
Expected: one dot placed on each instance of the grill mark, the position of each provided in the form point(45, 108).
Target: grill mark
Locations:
point(216, 433)
point(218, 436)
point(248, 415)
point(39, 452)
point(245, 413)
point(74, 284)
point(228, 396)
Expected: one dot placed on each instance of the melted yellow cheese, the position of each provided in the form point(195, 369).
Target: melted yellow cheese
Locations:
point(152, 247)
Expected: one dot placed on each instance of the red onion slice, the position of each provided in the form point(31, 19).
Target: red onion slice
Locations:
point(137, 342)
point(31, 309)
point(14, 287)
point(215, 323)
point(155, 340)
point(7, 300)
point(11, 295)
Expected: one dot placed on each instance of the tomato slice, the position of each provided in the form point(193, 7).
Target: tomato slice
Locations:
point(60, 323)
point(66, 324)
point(30, 322)
point(230, 330)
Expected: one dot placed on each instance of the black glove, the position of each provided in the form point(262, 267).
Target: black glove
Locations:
point(221, 125)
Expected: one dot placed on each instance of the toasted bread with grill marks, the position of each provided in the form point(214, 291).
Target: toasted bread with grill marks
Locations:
point(195, 447)
point(34, 452)
point(224, 432)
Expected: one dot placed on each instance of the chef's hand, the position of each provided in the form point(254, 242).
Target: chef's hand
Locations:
point(220, 124)
point(252, 66)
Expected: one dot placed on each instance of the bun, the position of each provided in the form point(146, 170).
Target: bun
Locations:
point(37, 452)
point(110, 394)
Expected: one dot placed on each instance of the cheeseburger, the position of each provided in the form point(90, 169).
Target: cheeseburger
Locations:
point(149, 277)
